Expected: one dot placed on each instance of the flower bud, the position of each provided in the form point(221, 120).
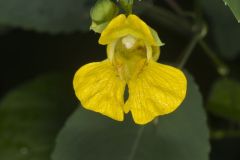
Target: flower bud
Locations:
point(103, 11)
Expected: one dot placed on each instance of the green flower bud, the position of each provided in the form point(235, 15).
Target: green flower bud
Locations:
point(103, 11)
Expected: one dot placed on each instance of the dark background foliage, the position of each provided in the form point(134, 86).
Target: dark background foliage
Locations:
point(30, 47)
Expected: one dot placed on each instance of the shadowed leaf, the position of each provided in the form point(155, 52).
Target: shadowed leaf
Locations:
point(180, 135)
point(31, 115)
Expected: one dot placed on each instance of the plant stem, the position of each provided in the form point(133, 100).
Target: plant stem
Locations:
point(168, 19)
point(197, 30)
point(221, 67)
point(127, 5)
point(175, 6)
point(136, 143)
point(220, 134)
point(192, 44)
point(187, 51)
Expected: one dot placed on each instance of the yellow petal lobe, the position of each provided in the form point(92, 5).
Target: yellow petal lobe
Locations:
point(122, 26)
point(99, 89)
point(159, 89)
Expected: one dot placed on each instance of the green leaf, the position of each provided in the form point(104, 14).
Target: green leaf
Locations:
point(31, 115)
point(181, 135)
point(235, 7)
point(224, 99)
point(52, 16)
point(224, 28)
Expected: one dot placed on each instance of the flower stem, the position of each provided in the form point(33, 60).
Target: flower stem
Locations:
point(127, 5)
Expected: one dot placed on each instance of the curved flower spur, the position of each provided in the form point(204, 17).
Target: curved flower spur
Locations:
point(132, 50)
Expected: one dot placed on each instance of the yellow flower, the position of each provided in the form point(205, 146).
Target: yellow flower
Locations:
point(132, 49)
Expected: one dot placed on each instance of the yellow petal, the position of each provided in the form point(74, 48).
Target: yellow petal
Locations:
point(99, 89)
point(121, 26)
point(159, 89)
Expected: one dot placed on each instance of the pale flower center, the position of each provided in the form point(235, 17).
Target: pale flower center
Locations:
point(129, 57)
point(128, 41)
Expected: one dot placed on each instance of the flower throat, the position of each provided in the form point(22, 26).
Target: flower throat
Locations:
point(129, 57)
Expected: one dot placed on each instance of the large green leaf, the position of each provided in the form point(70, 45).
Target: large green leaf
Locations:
point(235, 7)
point(46, 15)
point(181, 135)
point(224, 27)
point(224, 99)
point(31, 115)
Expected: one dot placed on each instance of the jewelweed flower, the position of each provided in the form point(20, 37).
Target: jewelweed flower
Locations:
point(132, 50)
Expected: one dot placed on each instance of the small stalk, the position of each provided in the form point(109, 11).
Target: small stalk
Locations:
point(127, 5)
point(167, 18)
point(136, 143)
point(220, 134)
point(192, 44)
point(221, 67)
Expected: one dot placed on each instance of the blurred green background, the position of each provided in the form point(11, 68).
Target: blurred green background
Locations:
point(43, 43)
